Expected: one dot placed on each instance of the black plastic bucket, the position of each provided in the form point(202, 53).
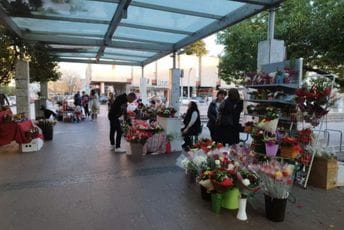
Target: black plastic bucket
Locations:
point(275, 208)
point(204, 194)
point(48, 131)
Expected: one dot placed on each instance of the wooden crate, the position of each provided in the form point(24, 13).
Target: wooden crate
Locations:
point(324, 173)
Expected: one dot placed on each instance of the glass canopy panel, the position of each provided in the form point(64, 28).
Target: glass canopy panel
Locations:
point(148, 34)
point(163, 19)
point(73, 47)
point(41, 25)
point(129, 52)
point(216, 7)
point(78, 9)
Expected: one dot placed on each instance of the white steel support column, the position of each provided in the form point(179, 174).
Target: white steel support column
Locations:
point(271, 31)
point(22, 88)
point(102, 88)
point(174, 83)
point(143, 86)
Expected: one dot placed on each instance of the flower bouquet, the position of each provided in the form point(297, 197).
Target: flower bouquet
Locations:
point(133, 135)
point(305, 136)
point(248, 182)
point(223, 179)
point(290, 147)
point(207, 145)
point(315, 100)
point(166, 111)
point(31, 134)
point(276, 178)
point(271, 144)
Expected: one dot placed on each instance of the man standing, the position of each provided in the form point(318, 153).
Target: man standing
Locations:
point(213, 112)
point(117, 109)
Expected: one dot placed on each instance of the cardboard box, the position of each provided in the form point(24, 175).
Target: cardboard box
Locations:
point(324, 173)
point(35, 145)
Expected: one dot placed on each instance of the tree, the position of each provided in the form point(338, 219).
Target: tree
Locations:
point(43, 67)
point(69, 83)
point(198, 49)
point(312, 29)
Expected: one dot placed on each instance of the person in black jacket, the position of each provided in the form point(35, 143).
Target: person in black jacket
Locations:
point(117, 109)
point(228, 125)
point(212, 113)
point(192, 125)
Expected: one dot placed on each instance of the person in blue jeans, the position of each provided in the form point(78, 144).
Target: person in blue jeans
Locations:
point(118, 108)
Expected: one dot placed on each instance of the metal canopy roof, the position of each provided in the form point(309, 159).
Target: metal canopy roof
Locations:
point(123, 32)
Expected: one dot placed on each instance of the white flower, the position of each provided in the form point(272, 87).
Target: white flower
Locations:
point(217, 162)
point(236, 163)
point(230, 167)
point(246, 182)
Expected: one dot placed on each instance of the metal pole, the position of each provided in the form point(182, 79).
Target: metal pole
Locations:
point(271, 30)
point(189, 83)
point(174, 59)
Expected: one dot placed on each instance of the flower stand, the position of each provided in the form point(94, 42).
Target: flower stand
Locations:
point(271, 149)
point(231, 199)
point(275, 208)
point(242, 209)
point(216, 201)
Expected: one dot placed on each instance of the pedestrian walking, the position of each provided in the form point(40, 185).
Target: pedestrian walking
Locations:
point(94, 104)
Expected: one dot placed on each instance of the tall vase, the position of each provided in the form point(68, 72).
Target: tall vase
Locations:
point(242, 209)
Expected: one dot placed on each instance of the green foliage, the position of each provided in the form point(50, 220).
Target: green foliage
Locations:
point(43, 67)
point(197, 48)
point(313, 30)
point(7, 90)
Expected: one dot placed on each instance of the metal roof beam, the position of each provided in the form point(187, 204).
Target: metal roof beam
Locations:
point(9, 23)
point(96, 36)
point(105, 57)
point(57, 51)
point(230, 19)
point(98, 62)
point(167, 9)
point(259, 2)
point(153, 28)
point(117, 17)
point(96, 42)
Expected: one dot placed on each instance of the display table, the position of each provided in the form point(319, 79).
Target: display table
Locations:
point(172, 127)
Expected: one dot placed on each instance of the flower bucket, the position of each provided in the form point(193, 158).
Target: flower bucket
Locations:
point(216, 201)
point(136, 151)
point(271, 149)
point(191, 175)
point(48, 131)
point(231, 199)
point(204, 194)
point(275, 208)
point(288, 152)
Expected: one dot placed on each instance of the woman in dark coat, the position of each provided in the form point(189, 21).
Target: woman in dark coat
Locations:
point(192, 124)
point(212, 114)
point(228, 125)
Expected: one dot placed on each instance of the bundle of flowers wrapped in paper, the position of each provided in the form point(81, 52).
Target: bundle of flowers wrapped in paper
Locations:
point(276, 178)
point(290, 147)
point(166, 111)
point(134, 135)
point(32, 133)
point(242, 154)
point(305, 136)
point(248, 182)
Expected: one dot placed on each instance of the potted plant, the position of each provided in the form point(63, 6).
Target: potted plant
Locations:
point(290, 147)
point(271, 145)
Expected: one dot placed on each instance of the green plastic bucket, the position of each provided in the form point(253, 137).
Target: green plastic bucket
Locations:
point(216, 202)
point(231, 199)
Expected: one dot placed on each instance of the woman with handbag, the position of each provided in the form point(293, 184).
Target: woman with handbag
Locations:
point(192, 125)
point(227, 124)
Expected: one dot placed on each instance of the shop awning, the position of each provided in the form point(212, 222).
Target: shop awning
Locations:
point(123, 32)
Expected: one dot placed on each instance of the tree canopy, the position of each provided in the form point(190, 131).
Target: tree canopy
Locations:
point(197, 48)
point(312, 29)
point(43, 67)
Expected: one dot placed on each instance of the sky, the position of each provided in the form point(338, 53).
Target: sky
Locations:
point(210, 41)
